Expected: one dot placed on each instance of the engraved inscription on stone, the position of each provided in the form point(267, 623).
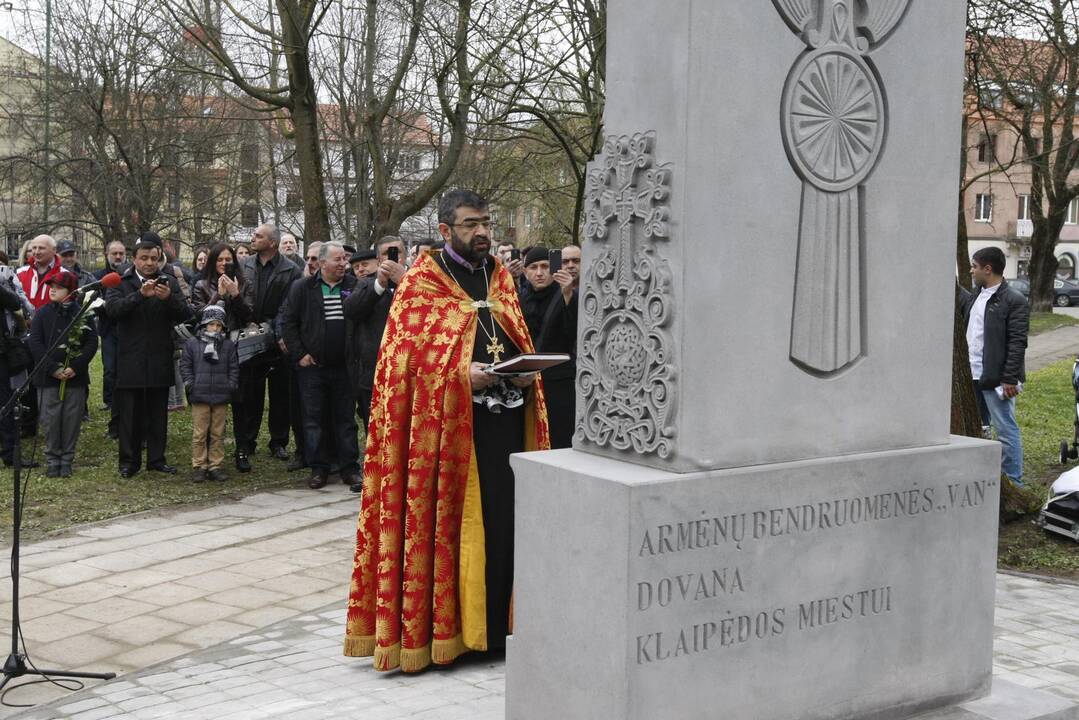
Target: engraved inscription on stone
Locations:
point(626, 374)
point(834, 119)
point(714, 603)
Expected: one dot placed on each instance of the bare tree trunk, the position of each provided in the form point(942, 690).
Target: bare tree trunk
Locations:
point(965, 417)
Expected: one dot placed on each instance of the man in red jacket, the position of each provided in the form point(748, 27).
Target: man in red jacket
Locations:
point(43, 267)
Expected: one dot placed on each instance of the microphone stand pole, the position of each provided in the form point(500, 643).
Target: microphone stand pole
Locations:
point(15, 665)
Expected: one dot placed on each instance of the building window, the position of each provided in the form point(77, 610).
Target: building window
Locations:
point(987, 149)
point(1024, 207)
point(1073, 212)
point(983, 208)
point(511, 217)
point(249, 215)
point(293, 201)
point(1066, 267)
point(249, 156)
point(174, 200)
point(410, 162)
point(527, 219)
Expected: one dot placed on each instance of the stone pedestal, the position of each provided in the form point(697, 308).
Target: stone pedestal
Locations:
point(851, 587)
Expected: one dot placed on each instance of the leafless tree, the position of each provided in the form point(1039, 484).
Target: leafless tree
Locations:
point(1024, 70)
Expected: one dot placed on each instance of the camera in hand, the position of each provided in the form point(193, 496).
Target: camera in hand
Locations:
point(230, 271)
point(394, 254)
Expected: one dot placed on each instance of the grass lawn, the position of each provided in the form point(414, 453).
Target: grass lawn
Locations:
point(1046, 413)
point(1040, 322)
point(97, 492)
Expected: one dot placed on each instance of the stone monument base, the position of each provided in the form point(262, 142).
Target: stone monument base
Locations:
point(850, 587)
point(1009, 701)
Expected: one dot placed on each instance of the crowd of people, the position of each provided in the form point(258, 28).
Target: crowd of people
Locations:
point(253, 330)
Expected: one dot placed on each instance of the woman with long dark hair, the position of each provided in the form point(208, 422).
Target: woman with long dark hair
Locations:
point(223, 284)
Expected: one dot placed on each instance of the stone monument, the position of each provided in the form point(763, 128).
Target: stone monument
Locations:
point(764, 515)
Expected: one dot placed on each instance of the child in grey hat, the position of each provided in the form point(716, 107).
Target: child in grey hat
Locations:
point(210, 367)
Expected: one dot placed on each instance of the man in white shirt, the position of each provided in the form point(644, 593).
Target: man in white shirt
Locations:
point(997, 320)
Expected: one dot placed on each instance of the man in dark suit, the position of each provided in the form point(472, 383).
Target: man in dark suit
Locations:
point(270, 275)
point(145, 307)
point(369, 306)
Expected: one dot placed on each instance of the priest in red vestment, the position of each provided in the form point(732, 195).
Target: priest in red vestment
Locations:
point(433, 572)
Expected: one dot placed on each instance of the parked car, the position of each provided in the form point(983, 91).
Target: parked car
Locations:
point(1065, 292)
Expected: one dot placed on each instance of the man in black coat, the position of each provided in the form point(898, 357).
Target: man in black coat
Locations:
point(997, 319)
point(115, 262)
point(269, 275)
point(558, 333)
point(318, 335)
point(369, 307)
point(145, 307)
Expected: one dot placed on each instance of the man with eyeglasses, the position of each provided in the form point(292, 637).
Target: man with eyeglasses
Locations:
point(434, 546)
point(270, 274)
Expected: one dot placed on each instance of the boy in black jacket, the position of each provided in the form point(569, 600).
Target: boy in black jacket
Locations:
point(62, 381)
point(210, 367)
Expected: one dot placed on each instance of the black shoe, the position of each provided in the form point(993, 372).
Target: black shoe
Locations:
point(298, 463)
point(279, 453)
point(52, 471)
point(126, 472)
point(217, 475)
point(318, 479)
point(22, 464)
point(198, 475)
point(356, 487)
point(163, 468)
point(65, 471)
point(242, 463)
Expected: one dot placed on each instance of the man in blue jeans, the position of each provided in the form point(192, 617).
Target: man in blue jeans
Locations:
point(997, 320)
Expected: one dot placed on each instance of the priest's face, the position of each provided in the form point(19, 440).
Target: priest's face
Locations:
point(470, 234)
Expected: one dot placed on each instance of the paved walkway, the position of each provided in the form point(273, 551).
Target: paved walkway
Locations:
point(124, 595)
point(1048, 347)
point(236, 612)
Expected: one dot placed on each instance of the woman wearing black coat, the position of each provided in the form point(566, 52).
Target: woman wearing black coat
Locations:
point(224, 284)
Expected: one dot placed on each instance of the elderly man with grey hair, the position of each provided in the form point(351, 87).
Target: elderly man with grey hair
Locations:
point(44, 266)
point(270, 275)
point(317, 332)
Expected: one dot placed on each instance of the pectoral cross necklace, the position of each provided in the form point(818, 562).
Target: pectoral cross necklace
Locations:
point(494, 348)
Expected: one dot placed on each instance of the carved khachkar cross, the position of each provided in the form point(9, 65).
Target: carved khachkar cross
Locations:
point(834, 119)
point(625, 372)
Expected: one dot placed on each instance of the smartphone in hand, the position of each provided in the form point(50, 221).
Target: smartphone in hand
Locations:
point(555, 260)
point(393, 254)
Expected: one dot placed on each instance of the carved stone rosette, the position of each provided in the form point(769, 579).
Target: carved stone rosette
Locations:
point(626, 375)
point(834, 119)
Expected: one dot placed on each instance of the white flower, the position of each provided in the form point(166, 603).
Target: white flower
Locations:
point(98, 302)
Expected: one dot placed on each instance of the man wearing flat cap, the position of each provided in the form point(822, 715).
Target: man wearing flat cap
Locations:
point(364, 263)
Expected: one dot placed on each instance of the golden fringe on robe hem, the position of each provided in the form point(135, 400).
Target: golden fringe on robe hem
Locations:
point(414, 660)
point(388, 658)
point(360, 646)
point(446, 651)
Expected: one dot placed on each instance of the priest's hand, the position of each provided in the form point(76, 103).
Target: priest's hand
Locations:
point(479, 378)
point(523, 381)
point(307, 361)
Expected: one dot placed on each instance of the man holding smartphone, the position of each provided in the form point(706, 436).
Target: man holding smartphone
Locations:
point(370, 306)
point(145, 307)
